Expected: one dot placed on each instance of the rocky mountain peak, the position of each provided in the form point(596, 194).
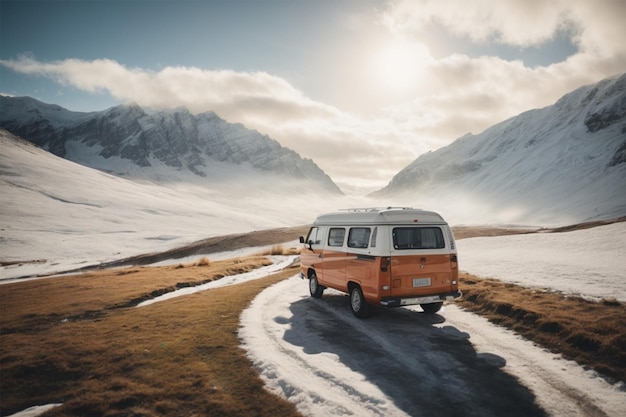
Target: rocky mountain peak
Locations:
point(568, 157)
point(125, 139)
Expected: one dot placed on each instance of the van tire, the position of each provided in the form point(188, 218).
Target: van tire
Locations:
point(315, 288)
point(431, 308)
point(358, 305)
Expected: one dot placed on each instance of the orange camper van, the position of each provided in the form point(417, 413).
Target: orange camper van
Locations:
point(394, 256)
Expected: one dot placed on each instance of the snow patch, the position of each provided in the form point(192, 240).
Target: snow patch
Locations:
point(590, 262)
point(35, 411)
point(280, 262)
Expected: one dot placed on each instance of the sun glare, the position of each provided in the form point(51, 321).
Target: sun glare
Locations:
point(399, 65)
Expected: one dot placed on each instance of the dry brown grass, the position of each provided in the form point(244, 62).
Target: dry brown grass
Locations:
point(77, 340)
point(280, 250)
point(35, 303)
point(204, 261)
point(591, 333)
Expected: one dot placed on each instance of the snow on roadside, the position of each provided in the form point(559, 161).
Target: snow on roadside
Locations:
point(35, 410)
point(318, 384)
point(299, 362)
point(590, 262)
point(279, 263)
point(562, 387)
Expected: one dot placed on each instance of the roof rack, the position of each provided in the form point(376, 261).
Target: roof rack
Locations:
point(370, 209)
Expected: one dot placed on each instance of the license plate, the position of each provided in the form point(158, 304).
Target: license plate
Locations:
point(421, 282)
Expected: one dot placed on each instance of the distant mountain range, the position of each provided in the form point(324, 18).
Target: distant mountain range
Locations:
point(562, 163)
point(131, 142)
point(567, 159)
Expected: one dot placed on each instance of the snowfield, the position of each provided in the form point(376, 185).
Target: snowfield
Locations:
point(590, 262)
point(57, 216)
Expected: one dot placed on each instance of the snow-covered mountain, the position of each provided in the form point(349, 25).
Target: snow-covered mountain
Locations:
point(172, 145)
point(57, 215)
point(567, 160)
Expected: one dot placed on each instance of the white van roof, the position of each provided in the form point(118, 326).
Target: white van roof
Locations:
point(378, 215)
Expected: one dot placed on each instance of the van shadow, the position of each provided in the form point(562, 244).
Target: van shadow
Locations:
point(424, 369)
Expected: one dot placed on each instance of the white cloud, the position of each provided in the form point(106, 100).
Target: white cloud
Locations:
point(223, 91)
point(462, 93)
point(515, 22)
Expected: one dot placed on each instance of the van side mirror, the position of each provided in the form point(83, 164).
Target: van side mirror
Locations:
point(309, 244)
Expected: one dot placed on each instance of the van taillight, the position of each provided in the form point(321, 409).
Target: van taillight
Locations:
point(384, 263)
point(453, 258)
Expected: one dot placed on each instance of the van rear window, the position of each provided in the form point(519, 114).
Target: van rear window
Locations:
point(418, 238)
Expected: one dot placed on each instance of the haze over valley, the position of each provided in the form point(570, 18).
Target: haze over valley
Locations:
point(125, 181)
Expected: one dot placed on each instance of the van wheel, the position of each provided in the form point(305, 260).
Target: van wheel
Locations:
point(431, 308)
point(358, 305)
point(315, 288)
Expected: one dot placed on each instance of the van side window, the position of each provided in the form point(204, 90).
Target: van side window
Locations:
point(359, 237)
point(335, 236)
point(418, 238)
point(374, 234)
point(314, 236)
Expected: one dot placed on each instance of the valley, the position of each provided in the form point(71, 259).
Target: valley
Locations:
point(148, 267)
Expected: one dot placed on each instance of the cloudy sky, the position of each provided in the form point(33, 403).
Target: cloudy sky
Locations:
point(362, 87)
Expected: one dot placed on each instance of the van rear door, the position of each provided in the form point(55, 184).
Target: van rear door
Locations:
point(420, 261)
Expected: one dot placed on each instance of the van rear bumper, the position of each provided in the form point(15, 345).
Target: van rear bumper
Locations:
point(427, 299)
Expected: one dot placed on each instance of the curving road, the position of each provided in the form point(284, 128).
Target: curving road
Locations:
point(402, 362)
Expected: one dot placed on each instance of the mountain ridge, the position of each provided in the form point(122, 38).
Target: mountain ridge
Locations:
point(568, 158)
point(126, 139)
